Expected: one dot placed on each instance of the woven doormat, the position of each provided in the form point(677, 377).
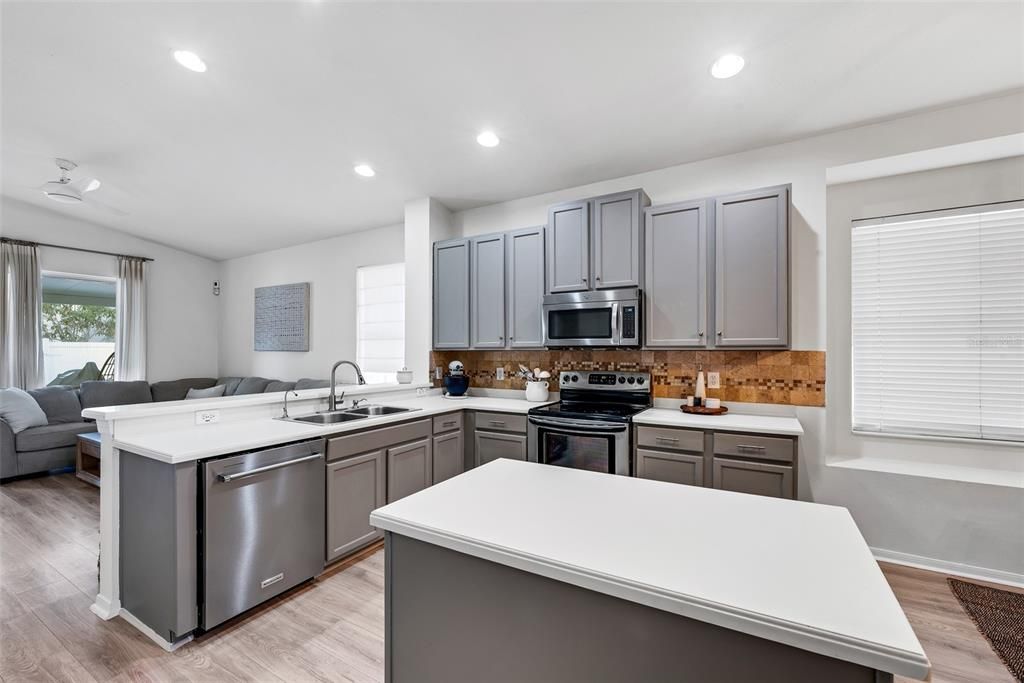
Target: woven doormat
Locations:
point(999, 615)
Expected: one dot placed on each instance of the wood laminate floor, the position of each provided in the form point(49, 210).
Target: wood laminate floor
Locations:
point(329, 630)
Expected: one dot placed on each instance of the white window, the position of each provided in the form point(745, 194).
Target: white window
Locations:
point(380, 321)
point(938, 323)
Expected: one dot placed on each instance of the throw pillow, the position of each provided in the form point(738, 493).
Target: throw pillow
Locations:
point(212, 392)
point(20, 410)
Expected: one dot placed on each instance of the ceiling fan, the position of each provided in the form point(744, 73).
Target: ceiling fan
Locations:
point(68, 191)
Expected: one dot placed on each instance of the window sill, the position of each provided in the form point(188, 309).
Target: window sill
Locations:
point(1010, 478)
point(945, 439)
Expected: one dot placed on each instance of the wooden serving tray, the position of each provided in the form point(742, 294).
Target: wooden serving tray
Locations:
point(704, 411)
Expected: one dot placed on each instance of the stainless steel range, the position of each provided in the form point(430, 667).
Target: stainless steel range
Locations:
point(590, 427)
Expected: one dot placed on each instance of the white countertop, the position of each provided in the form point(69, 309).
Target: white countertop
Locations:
point(205, 441)
point(791, 572)
point(729, 422)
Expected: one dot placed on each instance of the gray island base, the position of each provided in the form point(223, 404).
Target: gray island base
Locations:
point(452, 617)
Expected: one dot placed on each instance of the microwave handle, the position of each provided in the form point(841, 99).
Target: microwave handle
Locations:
point(617, 327)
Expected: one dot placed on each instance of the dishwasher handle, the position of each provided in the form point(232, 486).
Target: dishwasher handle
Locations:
point(266, 468)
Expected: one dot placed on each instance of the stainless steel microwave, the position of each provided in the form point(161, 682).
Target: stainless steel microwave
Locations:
point(609, 317)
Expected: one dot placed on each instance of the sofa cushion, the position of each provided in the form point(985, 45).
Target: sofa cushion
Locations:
point(177, 389)
point(277, 385)
point(51, 436)
point(252, 385)
point(19, 410)
point(211, 392)
point(307, 383)
point(102, 394)
point(230, 384)
point(60, 404)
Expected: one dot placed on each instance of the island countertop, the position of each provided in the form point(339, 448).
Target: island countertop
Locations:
point(791, 572)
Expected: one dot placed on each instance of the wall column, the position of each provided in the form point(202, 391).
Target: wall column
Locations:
point(426, 221)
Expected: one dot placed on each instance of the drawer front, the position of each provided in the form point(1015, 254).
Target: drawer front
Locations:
point(447, 423)
point(758, 447)
point(760, 478)
point(374, 439)
point(678, 468)
point(670, 439)
point(501, 422)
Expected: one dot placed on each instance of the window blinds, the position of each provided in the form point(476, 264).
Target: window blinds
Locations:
point(938, 323)
point(380, 321)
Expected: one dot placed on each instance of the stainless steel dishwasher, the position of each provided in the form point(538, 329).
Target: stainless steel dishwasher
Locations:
point(261, 527)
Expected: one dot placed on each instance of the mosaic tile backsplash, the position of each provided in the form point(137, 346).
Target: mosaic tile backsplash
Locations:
point(788, 377)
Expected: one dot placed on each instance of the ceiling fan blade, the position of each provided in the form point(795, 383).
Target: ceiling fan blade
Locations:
point(91, 199)
point(84, 185)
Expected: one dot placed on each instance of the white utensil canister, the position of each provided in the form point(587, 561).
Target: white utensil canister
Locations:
point(537, 391)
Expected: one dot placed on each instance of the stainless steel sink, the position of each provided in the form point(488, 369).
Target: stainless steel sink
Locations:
point(328, 418)
point(377, 410)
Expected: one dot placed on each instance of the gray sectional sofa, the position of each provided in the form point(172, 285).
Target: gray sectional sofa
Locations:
point(52, 446)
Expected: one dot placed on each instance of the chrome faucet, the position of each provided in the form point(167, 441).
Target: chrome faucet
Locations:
point(284, 412)
point(332, 399)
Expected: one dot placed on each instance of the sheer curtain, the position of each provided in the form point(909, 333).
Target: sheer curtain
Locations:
point(130, 346)
point(21, 316)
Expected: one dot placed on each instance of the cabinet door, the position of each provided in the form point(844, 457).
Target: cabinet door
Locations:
point(487, 292)
point(752, 269)
point(568, 242)
point(448, 456)
point(355, 488)
point(678, 468)
point(525, 260)
point(675, 275)
point(409, 469)
point(490, 446)
point(618, 250)
point(753, 477)
point(451, 294)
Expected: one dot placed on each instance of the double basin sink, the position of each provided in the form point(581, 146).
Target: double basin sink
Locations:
point(350, 414)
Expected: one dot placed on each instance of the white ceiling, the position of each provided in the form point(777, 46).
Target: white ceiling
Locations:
point(257, 153)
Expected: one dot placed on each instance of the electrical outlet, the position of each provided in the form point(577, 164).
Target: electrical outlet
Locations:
point(714, 381)
point(499, 374)
point(205, 417)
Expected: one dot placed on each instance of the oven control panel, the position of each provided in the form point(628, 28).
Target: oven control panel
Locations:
point(595, 379)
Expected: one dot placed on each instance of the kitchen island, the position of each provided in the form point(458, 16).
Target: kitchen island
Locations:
point(521, 571)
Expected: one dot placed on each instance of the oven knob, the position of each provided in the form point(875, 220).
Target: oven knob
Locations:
point(639, 380)
point(631, 380)
point(622, 380)
point(575, 378)
point(565, 379)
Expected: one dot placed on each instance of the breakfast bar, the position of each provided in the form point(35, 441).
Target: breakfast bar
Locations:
point(546, 573)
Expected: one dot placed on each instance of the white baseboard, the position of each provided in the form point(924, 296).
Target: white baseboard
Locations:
point(104, 607)
point(967, 571)
point(153, 635)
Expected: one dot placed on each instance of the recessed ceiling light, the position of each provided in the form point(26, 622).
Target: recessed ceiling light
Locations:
point(727, 66)
point(190, 60)
point(488, 139)
point(365, 170)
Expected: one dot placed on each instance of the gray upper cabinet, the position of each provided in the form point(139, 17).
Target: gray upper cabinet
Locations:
point(675, 276)
point(618, 241)
point(752, 269)
point(525, 263)
point(568, 247)
point(487, 292)
point(451, 294)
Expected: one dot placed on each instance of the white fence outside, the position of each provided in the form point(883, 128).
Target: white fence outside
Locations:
point(60, 356)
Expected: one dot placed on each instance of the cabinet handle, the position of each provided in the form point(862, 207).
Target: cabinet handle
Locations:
point(447, 424)
point(748, 448)
point(598, 279)
point(665, 439)
point(700, 333)
point(496, 423)
point(719, 333)
point(584, 280)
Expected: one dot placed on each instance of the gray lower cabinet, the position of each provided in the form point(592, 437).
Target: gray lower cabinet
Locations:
point(451, 294)
point(410, 469)
point(487, 292)
point(761, 478)
point(752, 269)
point(448, 456)
point(568, 247)
point(355, 488)
point(678, 468)
point(490, 446)
point(675, 276)
point(525, 266)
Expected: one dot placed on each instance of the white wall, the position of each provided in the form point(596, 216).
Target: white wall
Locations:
point(890, 509)
point(183, 320)
point(426, 221)
point(330, 268)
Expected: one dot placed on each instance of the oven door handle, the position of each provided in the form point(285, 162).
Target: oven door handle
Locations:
point(569, 425)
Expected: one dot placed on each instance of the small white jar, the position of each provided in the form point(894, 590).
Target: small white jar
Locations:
point(537, 391)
